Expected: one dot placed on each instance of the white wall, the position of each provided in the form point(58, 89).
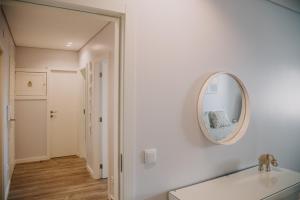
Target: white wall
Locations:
point(171, 47)
point(31, 139)
point(98, 47)
point(42, 58)
point(7, 45)
point(178, 43)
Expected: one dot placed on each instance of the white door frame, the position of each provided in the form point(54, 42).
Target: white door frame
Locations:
point(124, 100)
point(12, 115)
point(83, 112)
point(1, 130)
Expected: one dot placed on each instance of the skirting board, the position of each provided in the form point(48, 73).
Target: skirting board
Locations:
point(9, 181)
point(32, 159)
point(92, 173)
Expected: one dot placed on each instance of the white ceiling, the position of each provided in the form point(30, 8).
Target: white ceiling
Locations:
point(47, 27)
point(290, 4)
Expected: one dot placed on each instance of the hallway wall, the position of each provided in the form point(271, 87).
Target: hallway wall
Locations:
point(7, 45)
point(100, 45)
point(31, 130)
point(28, 57)
point(31, 137)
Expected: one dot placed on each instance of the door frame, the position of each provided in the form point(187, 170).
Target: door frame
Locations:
point(12, 123)
point(2, 189)
point(125, 101)
point(117, 103)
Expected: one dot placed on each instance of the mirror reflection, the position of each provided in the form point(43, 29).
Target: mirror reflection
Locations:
point(222, 106)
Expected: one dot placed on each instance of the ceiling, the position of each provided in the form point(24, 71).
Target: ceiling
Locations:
point(289, 4)
point(48, 27)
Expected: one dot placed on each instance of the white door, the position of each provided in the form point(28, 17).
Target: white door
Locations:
point(63, 113)
point(101, 113)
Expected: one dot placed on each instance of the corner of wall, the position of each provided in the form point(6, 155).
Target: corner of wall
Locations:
point(92, 172)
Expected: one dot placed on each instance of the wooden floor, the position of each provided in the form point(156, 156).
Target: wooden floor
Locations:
point(56, 179)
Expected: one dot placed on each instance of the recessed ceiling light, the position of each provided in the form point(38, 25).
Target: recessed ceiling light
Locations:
point(69, 44)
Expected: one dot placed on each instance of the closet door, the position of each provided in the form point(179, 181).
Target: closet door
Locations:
point(63, 112)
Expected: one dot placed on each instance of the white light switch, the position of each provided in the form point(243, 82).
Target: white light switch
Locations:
point(150, 156)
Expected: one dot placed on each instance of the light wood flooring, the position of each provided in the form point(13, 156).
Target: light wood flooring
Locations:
point(63, 178)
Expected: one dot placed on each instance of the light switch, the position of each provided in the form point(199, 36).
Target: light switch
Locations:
point(150, 156)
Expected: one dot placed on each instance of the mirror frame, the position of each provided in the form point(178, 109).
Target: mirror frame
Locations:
point(243, 123)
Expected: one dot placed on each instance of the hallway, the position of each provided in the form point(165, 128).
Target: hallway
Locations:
point(63, 178)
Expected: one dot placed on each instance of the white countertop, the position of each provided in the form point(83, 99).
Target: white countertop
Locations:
point(249, 184)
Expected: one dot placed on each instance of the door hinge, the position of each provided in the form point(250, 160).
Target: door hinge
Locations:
point(84, 111)
point(100, 119)
point(100, 75)
point(101, 166)
point(121, 163)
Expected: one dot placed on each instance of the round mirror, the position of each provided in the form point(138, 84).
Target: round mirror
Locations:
point(223, 110)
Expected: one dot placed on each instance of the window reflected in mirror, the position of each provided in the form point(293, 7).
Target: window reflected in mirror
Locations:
point(222, 107)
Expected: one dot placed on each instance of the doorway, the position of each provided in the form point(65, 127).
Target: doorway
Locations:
point(62, 111)
point(76, 123)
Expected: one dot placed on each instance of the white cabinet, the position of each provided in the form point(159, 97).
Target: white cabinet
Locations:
point(31, 84)
point(250, 184)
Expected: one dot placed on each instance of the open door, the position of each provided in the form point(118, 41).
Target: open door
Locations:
point(101, 110)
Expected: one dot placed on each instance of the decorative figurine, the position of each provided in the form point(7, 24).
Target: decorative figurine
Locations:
point(267, 160)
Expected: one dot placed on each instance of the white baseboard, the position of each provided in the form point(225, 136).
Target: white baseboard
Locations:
point(12, 168)
point(90, 170)
point(92, 173)
point(31, 159)
point(7, 189)
point(81, 156)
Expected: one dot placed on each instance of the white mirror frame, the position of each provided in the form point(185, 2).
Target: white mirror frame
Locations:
point(245, 113)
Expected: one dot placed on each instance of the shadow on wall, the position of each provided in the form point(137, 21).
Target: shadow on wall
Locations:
point(190, 123)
